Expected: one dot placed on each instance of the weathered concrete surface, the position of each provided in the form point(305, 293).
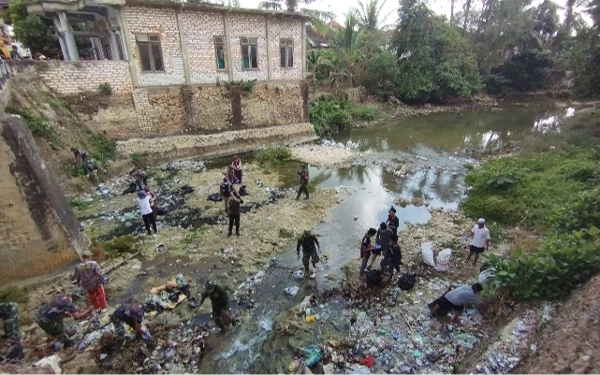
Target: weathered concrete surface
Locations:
point(38, 230)
point(213, 145)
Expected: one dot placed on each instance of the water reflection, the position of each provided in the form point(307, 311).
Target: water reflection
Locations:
point(450, 132)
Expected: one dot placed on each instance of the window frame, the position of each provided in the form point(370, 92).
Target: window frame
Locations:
point(246, 41)
point(150, 43)
point(283, 43)
point(222, 44)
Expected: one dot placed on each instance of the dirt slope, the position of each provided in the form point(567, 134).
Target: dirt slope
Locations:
point(571, 342)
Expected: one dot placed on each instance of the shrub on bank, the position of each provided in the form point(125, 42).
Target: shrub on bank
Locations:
point(331, 115)
point(273, 155)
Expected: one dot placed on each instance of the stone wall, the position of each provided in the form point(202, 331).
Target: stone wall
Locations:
point(71, 77)
point(38, 230)
point(161, 21)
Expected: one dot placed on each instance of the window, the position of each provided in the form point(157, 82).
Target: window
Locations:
point(150, 52)
point(286, 52)
point(249, 53)
point(220, 52)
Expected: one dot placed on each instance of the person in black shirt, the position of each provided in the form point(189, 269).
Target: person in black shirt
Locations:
point(393, 257)
point(392, 221)
point(309, 251)
point(303, 173)
point(365, 249)
point(234, 213)
point(225, 191)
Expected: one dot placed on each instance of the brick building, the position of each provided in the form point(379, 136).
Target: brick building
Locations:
point(146, 43)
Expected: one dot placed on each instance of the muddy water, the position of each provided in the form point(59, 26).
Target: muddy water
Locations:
point(435, 148)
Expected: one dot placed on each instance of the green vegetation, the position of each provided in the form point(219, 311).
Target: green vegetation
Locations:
point(331, 115)
point(80, 204)
point(116, 247)
point(273, 156)
point(522, 73)
point(105, 89)
point(36, 124)
point(35, 32)
point(12, 294)
point(555, 193)
point(139, 160)
point(103, 149)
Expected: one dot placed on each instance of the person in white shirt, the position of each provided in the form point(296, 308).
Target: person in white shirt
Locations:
point(146, 211)
point(456, 299)
point(481, 240)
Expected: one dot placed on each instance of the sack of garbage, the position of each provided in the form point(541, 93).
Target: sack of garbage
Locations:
point(443, 260)
point(298, 275)
point(373, 278)
point(407, 281)
point(186, 189)
point(486, 276)
point(427, 253)
point(243, 191)
point(161, 211)
point(291, 291)
point(216, 197)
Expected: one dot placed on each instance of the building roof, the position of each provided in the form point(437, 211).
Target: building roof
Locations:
point(316, 39)
point(41, 6)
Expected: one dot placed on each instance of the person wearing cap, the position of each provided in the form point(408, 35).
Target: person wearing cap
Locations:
point(143, 202)
point(50, 317)
point(131, 314)
point(220, 305)
point(303, 173)
point(481, 240)
point(89, 277)
point(310, 245)
point(392, 221)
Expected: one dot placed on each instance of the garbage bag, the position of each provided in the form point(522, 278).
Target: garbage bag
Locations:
point(427, 253)
point(443, 260)
point(193, 302)
point(298, 275)
point(131, 189)
point(373, 278)
point(216, 197)
point(161, 211)
point(186, 189)
point(51, 361)
point(486, 276)
point(407, 281)
point(243, 190)
point(291, 291)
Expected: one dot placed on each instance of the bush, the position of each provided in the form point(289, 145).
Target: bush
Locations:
point(363, 113)
point(36, 124)
point(138, 160)
point(105, 89)
point(12, 294)
point(580, 214)
point(104, 149)
point(380, 76)
point(117, 247)
point(269, 156)
point(329, 115)
point(524, 72)
point(562, 262)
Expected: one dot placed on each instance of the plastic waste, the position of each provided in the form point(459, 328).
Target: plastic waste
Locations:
point(358, 369)
point(311, 319)
point(368, 361)
point(486, 276)
point(427, 253)
point(51, 361)
point(298, 275)
point(312, 356)
point(443, 260)
point(291, 291)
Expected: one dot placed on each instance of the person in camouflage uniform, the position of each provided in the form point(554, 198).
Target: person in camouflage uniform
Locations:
point(131, 314)
point(220, 305)
point(50, 317)
point(309, 251)
point(9, 313)
point(303, 173)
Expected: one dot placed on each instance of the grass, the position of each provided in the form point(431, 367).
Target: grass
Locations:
point(138, 160)
point(12, 294)
point(116, 247)
point(273, 156)
point(38, 125)
point(80, 204)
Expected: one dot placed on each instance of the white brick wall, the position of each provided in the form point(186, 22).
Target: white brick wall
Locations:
point(161, 21)
point(246, 25)
point(200, 28)
point(72, 77)
point(286, 29)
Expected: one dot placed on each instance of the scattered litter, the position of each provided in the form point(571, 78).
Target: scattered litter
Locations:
point(291, 291)
point(298, 275)
point(427, 253)
point(161, 247)
point(311, 319)
point(51, 361)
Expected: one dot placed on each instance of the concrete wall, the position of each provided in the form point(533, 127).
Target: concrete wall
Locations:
point(38, 230)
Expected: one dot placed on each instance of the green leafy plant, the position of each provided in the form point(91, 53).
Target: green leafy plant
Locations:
point(118, 246)
point(329, 115)
point(12, 294)
point(138, 160)
point(36, 124)
point(269, 156)
point(105, 89)
point(80, 204)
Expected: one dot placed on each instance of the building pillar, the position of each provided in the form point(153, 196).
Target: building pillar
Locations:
point(126, 36)
point(183, 41)
point(269, 63)
point(227, 23)
point(68, 36)
point(303, 49)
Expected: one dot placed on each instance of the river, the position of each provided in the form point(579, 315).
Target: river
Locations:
point(436, 147)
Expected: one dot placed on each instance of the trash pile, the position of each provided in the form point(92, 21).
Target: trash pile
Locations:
point(196, 166)
point(504, 355)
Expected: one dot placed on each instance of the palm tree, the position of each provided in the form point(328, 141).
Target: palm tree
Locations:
point(369, 15)
point(290, 5)
point(569, 9)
